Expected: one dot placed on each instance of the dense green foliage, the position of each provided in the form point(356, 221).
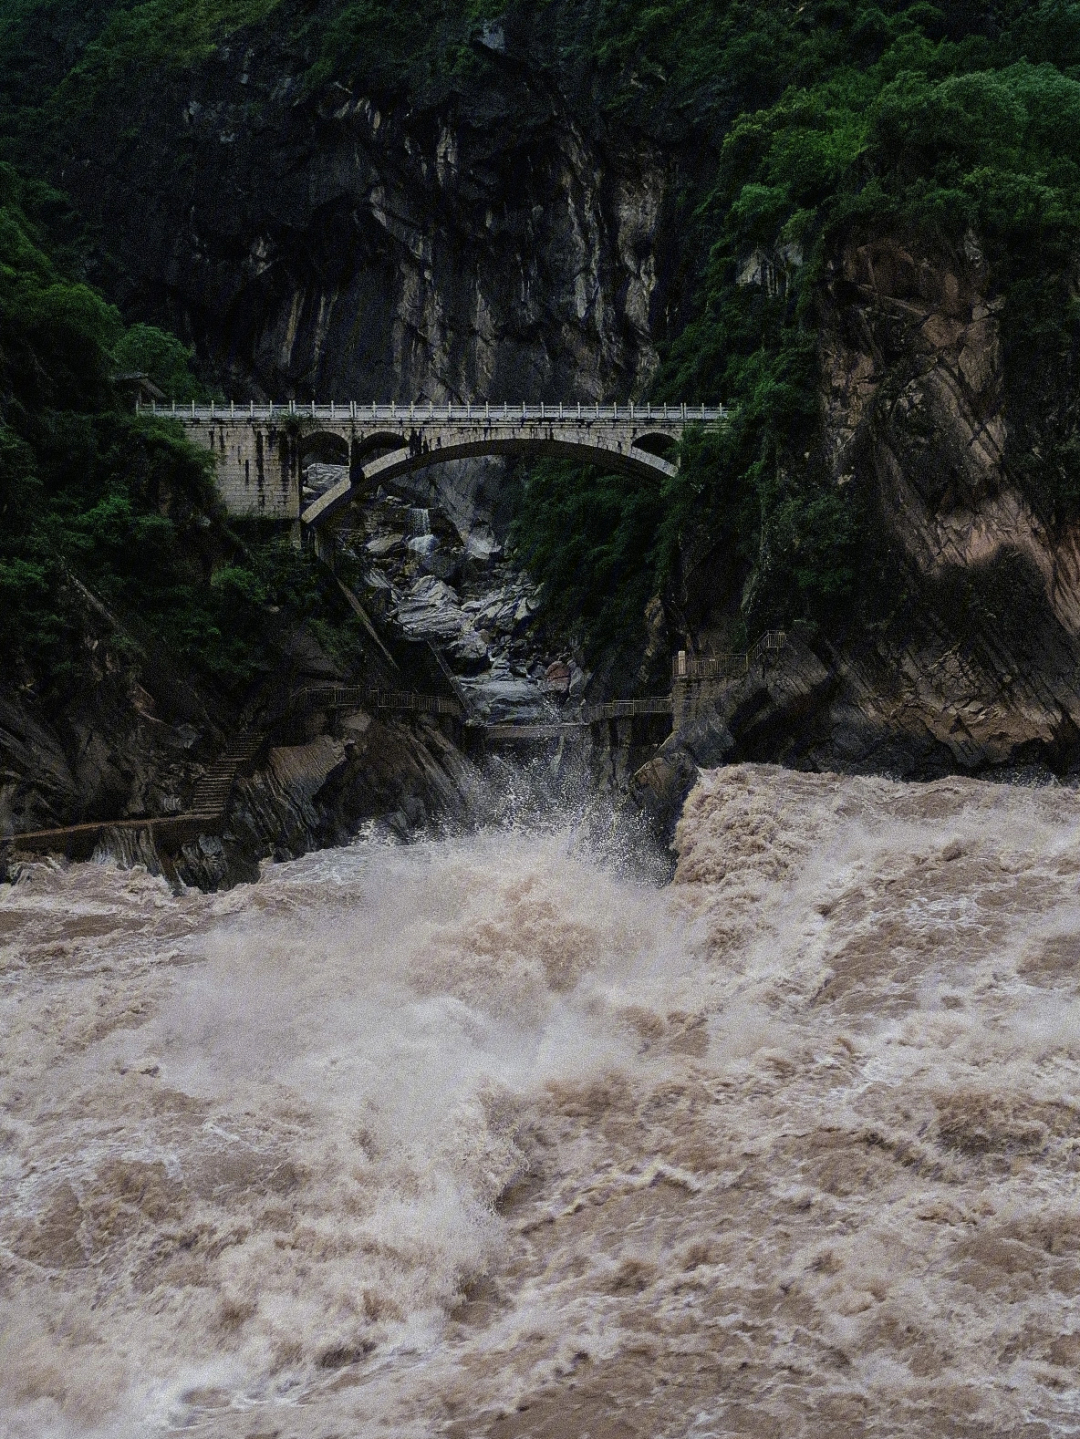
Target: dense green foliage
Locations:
point(585, 533)
point(146, 350)
point(92, 496)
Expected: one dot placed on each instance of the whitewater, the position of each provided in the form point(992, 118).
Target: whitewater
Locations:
point(490, 1136)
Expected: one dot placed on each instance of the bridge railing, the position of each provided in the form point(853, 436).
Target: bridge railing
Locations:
point(424, 412)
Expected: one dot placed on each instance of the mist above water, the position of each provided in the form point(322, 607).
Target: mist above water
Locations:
point(484, 1137)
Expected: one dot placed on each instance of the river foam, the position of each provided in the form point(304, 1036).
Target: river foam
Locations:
point(476, 1137)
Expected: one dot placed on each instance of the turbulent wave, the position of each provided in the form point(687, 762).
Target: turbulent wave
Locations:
point(476, 1137)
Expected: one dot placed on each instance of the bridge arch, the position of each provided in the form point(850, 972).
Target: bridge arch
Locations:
point(369, 446)
point(656, 442)
point(323, 447)
point(425, 449)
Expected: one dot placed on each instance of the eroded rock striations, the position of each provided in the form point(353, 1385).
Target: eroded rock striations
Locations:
point(974, 662)
point(335, 244)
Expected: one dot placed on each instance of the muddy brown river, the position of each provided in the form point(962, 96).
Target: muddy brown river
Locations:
point(477, 1137)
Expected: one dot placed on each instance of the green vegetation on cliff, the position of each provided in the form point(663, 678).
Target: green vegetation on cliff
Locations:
point(93, 497)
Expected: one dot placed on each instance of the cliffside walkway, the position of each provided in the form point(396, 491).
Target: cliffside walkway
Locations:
point(212, 794)
point(207, 811)
point(576, 728)
point(262, 449)
point(356, 697)
point(726, 666)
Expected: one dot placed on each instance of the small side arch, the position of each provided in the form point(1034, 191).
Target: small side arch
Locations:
point(323, 447)
point(378, 442)
point(324, 462)
point(656, 443)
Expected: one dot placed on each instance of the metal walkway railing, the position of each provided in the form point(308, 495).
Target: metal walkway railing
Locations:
point(722, 667)
point(345, 696)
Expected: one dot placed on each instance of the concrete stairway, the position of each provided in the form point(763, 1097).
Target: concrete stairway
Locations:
point(214, 790)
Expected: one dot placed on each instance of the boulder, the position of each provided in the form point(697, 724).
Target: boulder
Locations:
point(557, 678)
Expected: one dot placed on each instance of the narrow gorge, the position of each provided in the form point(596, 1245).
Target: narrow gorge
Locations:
point(559, 205)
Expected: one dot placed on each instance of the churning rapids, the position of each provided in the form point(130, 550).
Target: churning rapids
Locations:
point(477, 1138)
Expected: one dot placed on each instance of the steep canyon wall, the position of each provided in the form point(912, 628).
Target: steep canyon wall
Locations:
point(490, 244)
point(509, 238)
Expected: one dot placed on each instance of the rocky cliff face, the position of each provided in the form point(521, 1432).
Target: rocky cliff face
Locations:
point(972, 661)
point(134, 739)
point(917, 411)
point(492, 246)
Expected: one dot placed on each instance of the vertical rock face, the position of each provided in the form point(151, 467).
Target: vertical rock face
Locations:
point(346, 247)
point(975, 660)
point(912, 370)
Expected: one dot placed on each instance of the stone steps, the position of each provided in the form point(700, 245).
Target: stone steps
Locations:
point(214, 790)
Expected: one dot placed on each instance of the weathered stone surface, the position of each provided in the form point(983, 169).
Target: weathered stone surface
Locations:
point(314, 242)
point(306, 768)
point(431, 610)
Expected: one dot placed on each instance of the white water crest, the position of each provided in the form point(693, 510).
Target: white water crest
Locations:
point(477, 1137)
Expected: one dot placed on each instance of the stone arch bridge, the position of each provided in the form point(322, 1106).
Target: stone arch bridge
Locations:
point(262, 450)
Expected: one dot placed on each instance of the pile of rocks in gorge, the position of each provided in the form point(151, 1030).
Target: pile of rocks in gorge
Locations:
point(448, 582)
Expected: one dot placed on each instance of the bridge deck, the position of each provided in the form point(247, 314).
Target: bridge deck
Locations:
point(426, 413)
